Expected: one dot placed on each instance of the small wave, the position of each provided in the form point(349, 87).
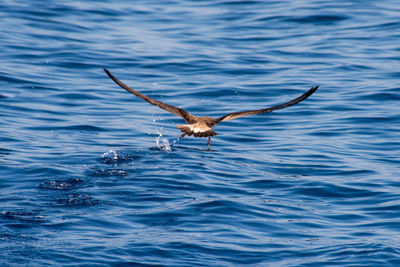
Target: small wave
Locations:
point(24, 216)
point(5, 151)
point(76, 96)
point(99, 172)
point(88, 128)
point(113, 157)
point(62, 184)
point(77, 200)
point(318, 19)
point(83, 128)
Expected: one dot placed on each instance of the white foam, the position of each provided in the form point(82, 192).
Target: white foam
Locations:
point(110, 153)
point(166, 144)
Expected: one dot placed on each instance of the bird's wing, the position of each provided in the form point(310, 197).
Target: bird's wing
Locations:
point(189, 118)
point(240, 114)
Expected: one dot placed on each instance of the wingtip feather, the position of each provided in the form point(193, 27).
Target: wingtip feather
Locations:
point(311, 91)
point(314, 88)
point(107, 71)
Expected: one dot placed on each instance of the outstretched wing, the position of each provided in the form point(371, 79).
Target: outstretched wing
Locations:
point(236, 115)
point(189, 118)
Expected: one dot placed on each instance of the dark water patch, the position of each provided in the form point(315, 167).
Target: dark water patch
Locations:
point(76, 65)
point(382, 96)
point(41, 14)
point(85, 128)
point(106, 172)
point(320, 190)
point(165, 222)
point(395, 74)
point(369, 119)
point(5, 151)
point(347, 218)
point(62, 184)
point(344, 253)
point(332, 133)
point(216, 206)
point(76, 96)
point(13, 79)
point(77, 200)
point(319, 19)
point(162, 219)
point(222, 250)
point(89, 128)
point(355, 67)
point(237, 3)
point(249, 39)
point(115, 158)
point(267, 183)
point(51, 120)
point(111, 12)
point(374, 25)
point(24, 216)
point(21, 110)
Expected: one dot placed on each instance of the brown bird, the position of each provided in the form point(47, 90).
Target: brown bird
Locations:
point(202, 126)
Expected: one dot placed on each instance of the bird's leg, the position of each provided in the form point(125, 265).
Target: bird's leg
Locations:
point(182, 135)
point(209, 140)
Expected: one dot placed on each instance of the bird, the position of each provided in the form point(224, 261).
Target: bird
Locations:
point(203, 126)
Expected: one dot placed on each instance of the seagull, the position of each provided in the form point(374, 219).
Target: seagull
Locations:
point(203, 126)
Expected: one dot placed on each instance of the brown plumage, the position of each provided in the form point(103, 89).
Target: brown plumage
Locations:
point(202, 126)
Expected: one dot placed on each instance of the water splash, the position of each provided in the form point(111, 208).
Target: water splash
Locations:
point(164, 146)
point(111, 155)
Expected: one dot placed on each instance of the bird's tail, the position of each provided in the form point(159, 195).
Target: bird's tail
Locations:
point(187, 130)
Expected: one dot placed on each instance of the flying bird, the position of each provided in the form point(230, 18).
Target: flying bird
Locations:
point(203, 126)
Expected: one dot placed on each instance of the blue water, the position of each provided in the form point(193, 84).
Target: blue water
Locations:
point(92, 175)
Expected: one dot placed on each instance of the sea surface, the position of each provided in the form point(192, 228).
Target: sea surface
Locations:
point(91, 175)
